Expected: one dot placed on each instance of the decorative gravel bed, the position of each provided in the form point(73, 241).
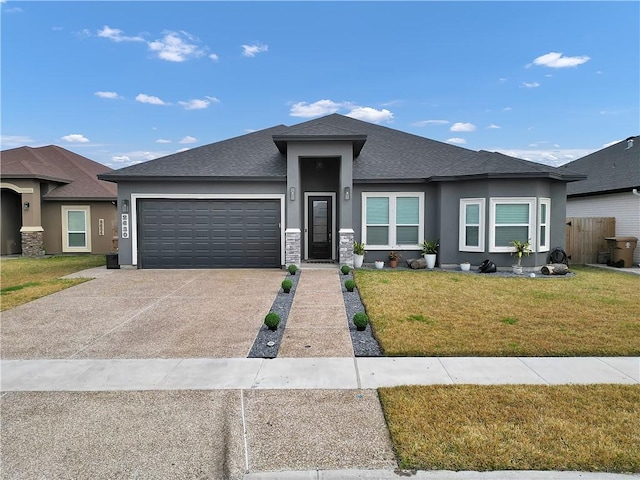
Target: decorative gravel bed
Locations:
point(262, 346)
point(364, 343)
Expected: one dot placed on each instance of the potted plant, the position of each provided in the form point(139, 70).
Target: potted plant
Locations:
point(360, 320)
point(112, 256)
point(430, 252)
point(379, 264)
point(393, 259)
point(519, 249)
point(465, 266)
point(358, 254)
point(286, 285)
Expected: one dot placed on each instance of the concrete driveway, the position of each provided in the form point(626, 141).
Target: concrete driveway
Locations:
point(145, 314)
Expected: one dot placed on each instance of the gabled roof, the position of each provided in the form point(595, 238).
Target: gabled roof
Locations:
point(380, 154)
point(76, 175)
point(612, 169)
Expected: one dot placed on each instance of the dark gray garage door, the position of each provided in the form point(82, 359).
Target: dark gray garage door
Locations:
point(209, 233)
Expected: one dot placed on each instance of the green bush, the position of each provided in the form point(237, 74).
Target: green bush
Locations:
point(360, 320)
point(349, 285)
point(292, 269)
point(272, 320)
point(345, 269)
point(286, 285)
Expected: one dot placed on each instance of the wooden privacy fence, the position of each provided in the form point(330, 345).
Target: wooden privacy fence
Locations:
point(584, 237)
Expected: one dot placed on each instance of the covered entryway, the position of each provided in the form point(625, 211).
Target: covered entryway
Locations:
point(209, 233)
point(11, 219)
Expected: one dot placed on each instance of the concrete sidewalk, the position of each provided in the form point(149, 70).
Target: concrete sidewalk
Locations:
point(309, 373)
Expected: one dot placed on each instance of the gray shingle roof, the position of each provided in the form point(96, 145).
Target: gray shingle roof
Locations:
point(386, 155)
point(77, 175)
point(611, 169)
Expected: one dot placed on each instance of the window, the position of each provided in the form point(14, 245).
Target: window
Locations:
point(471, 236)
point(543, 225)
point(511, 219)
point(392, 220)
point(76, 231)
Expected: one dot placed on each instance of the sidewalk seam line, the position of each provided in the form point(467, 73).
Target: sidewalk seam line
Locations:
point(445, 370)
point(253, 383)
point(355, 364)
point(244, 432)
point(521, 359)
point(618, 370)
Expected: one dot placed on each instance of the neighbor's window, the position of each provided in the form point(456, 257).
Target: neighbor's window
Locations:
point(511, 219)
point(76, 234)
point(392, 220)
point(543, 225)
point(471, 235)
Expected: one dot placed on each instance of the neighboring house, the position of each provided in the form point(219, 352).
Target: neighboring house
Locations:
point(53, 202)
point(611, 187)
point(304, 193)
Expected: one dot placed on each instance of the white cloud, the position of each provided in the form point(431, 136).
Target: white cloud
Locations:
point(502, 80)
point(75, 138)
point(493, 126)
point(116, 35)
point(530, 85)
point(184, 149)
point(316, 109)
point(144, 98)
point(462, 127)
point(254, 49)
point(213, 57)
point(120, 159)
point(111, 95)
point(457, 140)
point(163, 140)
point(424, 123)
point(611, 143)
point(15, 140)
point(174, 48)
point(188, 139)
point(557, 60)
point(198, 104)
point(552, 156)
point(507, 109)
point(369, 114)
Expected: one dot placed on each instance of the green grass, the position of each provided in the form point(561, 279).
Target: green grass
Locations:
point(25, 279)
point(515, 427)
point(418, 313)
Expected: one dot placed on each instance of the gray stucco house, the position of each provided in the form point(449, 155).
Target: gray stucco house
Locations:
point(304, 193)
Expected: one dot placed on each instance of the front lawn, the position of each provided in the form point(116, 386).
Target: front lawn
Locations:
point(418, 313)
point(25, 279)
point(592, 428)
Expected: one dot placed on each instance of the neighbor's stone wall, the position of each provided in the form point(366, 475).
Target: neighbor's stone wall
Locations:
point(346, 247)
point(292, 247)
point(32, 244)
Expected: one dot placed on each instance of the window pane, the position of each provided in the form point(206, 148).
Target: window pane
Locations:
point(407, 211)
point(473, 214)
point(543, 213)
point(407, 235)
point(504, 235)
point(77, 240)
point(472, 237)
point(75, 221)
point(378, 236)
point(378, 211)
point(512, 213)
point(543, 236)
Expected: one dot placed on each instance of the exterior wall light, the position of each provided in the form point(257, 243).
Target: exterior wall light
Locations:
point(292, 194)
point(26, 205)
point(125, 206)
point(347, 193)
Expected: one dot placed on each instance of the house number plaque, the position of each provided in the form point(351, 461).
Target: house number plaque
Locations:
point(125, 225)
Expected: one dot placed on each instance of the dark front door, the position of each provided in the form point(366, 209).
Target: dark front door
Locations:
point(320, 222)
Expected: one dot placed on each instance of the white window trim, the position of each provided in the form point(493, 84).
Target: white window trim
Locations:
point(86, 209)
point(392, 219)
point(462, 225)
point(547, 237)
point(533, 234)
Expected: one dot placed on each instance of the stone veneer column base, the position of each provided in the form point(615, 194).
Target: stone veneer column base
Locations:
point(32, 244)
point(292, 246)
point(345, 248)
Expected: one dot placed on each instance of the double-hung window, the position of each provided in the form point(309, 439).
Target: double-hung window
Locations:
point(471, 235)
point(392, 220)
point(543, 224)
point(512, 219)
point(76, 229)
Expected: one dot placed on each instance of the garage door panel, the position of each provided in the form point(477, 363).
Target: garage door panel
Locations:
point(209, 233)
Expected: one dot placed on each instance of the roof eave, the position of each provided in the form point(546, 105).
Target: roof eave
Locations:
point(357, 141)
point(36, 176)
point(189, 178)
point(80, 199)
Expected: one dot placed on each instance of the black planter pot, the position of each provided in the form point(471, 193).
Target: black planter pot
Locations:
point(112, 261)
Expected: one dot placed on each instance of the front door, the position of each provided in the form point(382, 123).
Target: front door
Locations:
point(320, 223)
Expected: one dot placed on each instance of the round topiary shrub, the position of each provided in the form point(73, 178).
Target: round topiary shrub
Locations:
point(349, 285)
point(345, 269)
point(360, 320)
point(286, 285)
point(292, 269)
point(272, 320)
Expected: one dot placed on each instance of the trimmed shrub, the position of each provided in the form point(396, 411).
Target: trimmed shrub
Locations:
point(360, 320)
point(272, 320)
point(345, 269)
point(292, 269)
point(286, 285)
point(349, 285)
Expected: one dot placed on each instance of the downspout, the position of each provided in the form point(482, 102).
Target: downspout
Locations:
point(635, 192)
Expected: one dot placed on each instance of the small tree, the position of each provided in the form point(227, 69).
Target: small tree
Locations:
point(520, 248)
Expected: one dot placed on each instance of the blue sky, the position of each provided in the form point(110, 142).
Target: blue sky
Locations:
point(125, 82)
